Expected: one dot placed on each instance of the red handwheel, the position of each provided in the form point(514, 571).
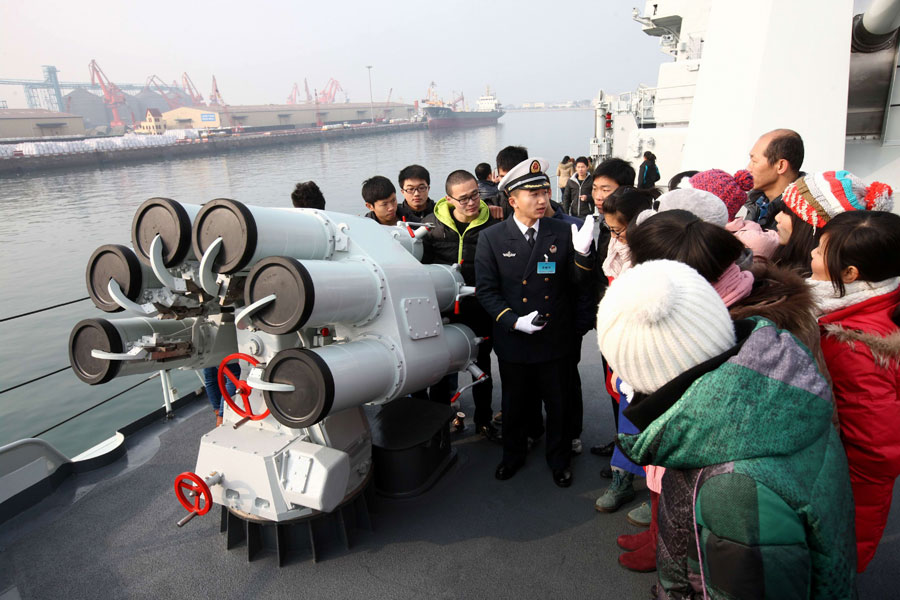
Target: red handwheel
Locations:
point(240, 386)
point(191, 482)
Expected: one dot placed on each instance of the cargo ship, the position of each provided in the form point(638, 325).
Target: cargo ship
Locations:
point(445, 116)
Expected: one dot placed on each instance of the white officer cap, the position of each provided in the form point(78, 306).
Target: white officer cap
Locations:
point(529, 174)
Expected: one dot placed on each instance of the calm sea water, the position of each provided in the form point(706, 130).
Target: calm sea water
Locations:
point(51, 223)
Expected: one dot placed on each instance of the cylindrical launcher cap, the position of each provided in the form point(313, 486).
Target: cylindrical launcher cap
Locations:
point(313, 394)
point(113, 261)
point(294, 290)
point(234, 223)
point(94, 334)
point(169, 220)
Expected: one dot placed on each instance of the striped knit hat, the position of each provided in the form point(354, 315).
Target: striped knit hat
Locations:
point(731, 190)
point(658, 320)
point(817, 197)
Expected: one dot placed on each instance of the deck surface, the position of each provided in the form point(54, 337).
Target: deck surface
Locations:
point(111, 533)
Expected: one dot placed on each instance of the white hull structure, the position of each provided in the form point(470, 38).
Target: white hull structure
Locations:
point(743, 68)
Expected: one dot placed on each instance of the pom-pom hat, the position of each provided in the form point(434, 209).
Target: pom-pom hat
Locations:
point(705, 205)
point(658, 320)
point(817, 197)
point(732, 190)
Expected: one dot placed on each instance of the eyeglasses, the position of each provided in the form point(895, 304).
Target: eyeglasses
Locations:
point(470, 199)
point(421, 189)
point(618, 234)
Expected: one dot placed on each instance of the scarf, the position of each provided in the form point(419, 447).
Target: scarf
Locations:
point(734, 284)
point(617, 258)
point(827, 301)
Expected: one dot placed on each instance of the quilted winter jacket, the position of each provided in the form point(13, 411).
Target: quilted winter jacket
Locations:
point(861, 344)
point(754, 465)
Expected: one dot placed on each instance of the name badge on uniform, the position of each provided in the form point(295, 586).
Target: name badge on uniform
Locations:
point(546, 267)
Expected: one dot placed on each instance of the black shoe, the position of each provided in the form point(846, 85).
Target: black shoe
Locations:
point(505, 471)
point(606, 473)
point(490, 433)
point(606, 450)
point(562, 477)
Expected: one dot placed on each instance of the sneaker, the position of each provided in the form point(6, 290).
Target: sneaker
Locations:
point(640, 516)
point(620, 491)
point(576, 446)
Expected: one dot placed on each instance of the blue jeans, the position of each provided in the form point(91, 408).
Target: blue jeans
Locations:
point(211, 383)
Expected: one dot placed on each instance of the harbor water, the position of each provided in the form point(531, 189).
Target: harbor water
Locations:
point(51, 222)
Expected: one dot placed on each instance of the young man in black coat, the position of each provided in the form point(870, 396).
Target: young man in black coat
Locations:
point(527, 270)
point(458, 221)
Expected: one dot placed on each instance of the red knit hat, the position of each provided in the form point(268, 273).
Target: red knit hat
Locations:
point(732, 190)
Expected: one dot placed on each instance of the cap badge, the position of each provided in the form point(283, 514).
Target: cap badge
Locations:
point(535, 166)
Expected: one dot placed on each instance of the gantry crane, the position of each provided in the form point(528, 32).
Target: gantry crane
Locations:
point(172, 98)
point(215, 98)
point(331, 89)
point(295, 91)
point(191, 90)
point(309, 97)
point(113, 97)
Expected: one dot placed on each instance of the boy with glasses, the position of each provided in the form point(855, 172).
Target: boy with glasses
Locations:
point(415, 182)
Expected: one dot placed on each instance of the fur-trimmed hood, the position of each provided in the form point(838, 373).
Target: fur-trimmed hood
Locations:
point(885, 349)
point(784, 298)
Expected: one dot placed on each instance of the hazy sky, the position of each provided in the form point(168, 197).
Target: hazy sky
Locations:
point(526, 51)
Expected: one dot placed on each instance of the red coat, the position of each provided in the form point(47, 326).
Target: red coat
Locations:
point(861, 344)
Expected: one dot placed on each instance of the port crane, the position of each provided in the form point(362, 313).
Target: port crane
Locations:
point(191, 90)
point(331, 89)
point(309, 97)
point(295, 91)
point(172, 98)
point(215, 98)
point(113, 97)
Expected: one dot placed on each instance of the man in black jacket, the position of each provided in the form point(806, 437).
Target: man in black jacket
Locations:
point(576, 199)
point(458, 221)
point(775, 162)
point(527, 271)
point(415, 183)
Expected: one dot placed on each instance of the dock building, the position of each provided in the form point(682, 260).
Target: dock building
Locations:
point(38, 122)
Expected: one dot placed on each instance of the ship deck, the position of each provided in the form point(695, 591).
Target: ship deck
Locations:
point(111, 532)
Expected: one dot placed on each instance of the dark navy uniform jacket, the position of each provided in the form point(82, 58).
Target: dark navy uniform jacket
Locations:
point(508, 285)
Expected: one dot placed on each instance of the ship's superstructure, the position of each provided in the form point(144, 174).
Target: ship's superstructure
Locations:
point(740, 70)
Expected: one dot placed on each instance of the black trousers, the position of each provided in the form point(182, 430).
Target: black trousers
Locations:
point(575, 412)
point(524, 387)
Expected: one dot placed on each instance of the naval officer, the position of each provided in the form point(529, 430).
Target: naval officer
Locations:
point(527, 270)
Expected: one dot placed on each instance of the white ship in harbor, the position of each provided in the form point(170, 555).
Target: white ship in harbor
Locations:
point(736, 74)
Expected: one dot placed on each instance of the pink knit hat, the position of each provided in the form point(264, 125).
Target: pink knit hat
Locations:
point(732, 190)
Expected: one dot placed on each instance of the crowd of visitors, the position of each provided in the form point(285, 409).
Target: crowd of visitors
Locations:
point(749, 327)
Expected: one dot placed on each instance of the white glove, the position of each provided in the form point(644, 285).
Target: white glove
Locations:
point(582, 238)
point(524, 325)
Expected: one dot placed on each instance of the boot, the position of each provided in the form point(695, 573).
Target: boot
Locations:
point(643, 560)
point(620, 491)
point(640, 516)
point(634, 541)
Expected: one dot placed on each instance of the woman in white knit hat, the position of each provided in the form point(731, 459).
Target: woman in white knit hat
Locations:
point(756, 483)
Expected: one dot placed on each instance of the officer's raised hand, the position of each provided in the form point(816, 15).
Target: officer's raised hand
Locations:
point(582, 238)
point(525, 325)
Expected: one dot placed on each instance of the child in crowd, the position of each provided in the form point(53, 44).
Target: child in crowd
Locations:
point(813, 200)
point(619, 211)
point(757, 499)
point(855, 276)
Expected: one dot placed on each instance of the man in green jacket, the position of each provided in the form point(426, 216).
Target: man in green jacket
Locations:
point(756, 499)
point(457, 221)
